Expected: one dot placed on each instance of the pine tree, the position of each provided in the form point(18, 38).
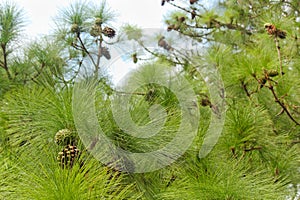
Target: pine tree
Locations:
point(253, 45)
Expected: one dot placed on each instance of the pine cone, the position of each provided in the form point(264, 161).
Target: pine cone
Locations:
point(109, 32)
point(67, 156)
point(272, 30)
point(162, 43)
point(193, 1)
point(64, 137)
point(134, 58)
point(95, 31)
point(75, 28)
point(105, 52)
point(98, 21)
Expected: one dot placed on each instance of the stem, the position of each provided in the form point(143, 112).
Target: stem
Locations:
point(99, 56)
point(244, 86)
point(86, 51)
point(282, 105)
point(279, 55)
point(38, 73)
point(184, 9)
point(4, 65)
point(253, 148)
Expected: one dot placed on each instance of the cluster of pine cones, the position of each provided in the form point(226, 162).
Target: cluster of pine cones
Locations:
point(272, 30)
point(107, 31)
point(97, 30)
point(70, 153)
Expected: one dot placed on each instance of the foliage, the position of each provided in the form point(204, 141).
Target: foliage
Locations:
point(11, 26)
point(253, 45)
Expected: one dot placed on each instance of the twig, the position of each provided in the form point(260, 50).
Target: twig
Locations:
point(147, 49)
point(5, 65)
point(244, 85)
point(253, 148)
point(282, 105)
point(279, 54)
point(184, 9)
point(130, 93)
point(277, 99)
point(85, 50)
point(248, 93)
point(100, 53)
point(157, 54)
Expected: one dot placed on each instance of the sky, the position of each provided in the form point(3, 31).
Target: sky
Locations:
point(40, 16)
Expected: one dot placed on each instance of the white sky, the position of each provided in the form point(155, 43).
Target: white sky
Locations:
point(144, 13)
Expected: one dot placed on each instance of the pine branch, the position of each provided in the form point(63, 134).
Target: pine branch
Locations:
point(218, 23)
point(282, 105)
point(192, 35)
point(277, 99)
point(184, 9)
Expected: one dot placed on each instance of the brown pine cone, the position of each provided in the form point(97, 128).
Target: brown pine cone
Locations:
point(193, 1)
point(67, 156)
point(105, 52)
point(109, 32)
